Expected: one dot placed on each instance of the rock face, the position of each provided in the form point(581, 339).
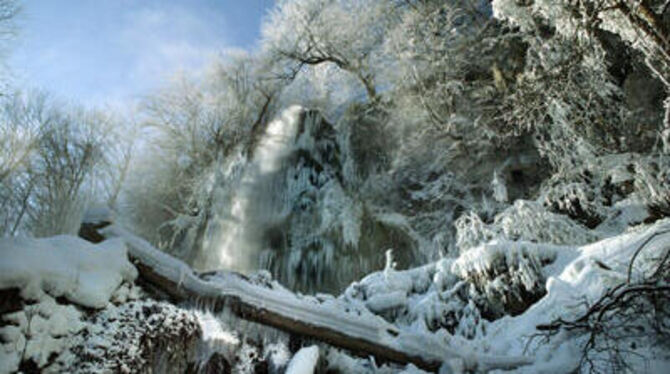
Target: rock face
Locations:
point(129, 335)
point(139, 336)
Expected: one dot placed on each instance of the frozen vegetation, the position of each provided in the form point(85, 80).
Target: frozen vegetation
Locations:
point(382, 187)
point(436, 305)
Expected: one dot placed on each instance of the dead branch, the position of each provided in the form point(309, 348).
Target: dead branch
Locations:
point(619, 310)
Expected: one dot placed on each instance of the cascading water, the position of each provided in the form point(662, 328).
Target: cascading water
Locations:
point(291, 208)
point(239, 238)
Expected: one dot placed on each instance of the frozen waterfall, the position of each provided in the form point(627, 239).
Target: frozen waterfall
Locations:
point(289, 207)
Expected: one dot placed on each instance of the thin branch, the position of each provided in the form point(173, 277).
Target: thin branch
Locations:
point(639, 249)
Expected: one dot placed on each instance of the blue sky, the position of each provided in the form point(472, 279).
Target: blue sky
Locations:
point(111, 52)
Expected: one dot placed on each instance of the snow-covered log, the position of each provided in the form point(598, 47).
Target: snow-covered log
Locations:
point(324, 319)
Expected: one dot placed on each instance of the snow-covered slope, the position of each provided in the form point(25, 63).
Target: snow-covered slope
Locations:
point(576, 281)
point(449, 310)
point(452, 294)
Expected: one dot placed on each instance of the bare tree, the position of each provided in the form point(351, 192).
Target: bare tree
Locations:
point(23, 121)
point(193, 129)
point(48, 168)
point(431, 62)
point(345, 33)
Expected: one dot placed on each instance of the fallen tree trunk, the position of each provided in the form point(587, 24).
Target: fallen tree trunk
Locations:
point(330, 321)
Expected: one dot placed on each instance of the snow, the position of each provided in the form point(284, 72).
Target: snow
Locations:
point(38, 332)
point(98, 214)
point(570, 274)
point(304, 361)
point(126, 337)
point(84, 273)
point(278, 354)
point(411, 369)
point(429, 293)
point(573, 279)
point(61, 338)
point(327, 313)
point(524, 220)
point(383, 302)
point(406, 310)
point(483, 258)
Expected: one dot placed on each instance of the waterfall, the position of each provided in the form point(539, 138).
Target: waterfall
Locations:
point(239, 216)
point(290, 207)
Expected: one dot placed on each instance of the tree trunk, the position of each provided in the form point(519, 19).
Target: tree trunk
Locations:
point(360, 332)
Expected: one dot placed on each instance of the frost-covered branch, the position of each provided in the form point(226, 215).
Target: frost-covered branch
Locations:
point(345, 33)
point(621, 310)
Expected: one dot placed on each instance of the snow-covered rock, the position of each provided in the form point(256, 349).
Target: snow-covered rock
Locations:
point(98, 214)
point(37, 334)
point(304, 361)
point(68, 266)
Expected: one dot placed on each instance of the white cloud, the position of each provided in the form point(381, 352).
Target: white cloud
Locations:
point(162, 41)
point(112, 52)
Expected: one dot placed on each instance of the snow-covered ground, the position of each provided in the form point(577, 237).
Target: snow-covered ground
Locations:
point(578, 278)
point(439, 297)
point(82, 310)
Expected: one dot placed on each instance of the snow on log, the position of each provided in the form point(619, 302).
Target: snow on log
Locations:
point(331, 321)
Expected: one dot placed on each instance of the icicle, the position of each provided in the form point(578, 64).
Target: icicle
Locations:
point(390, 264)
point(499, 189)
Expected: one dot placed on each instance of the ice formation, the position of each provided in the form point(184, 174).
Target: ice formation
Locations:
point(239, 243)
point(304, 361)
point(292, 207)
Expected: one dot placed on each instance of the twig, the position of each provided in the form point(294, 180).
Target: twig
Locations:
point(639, 249)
